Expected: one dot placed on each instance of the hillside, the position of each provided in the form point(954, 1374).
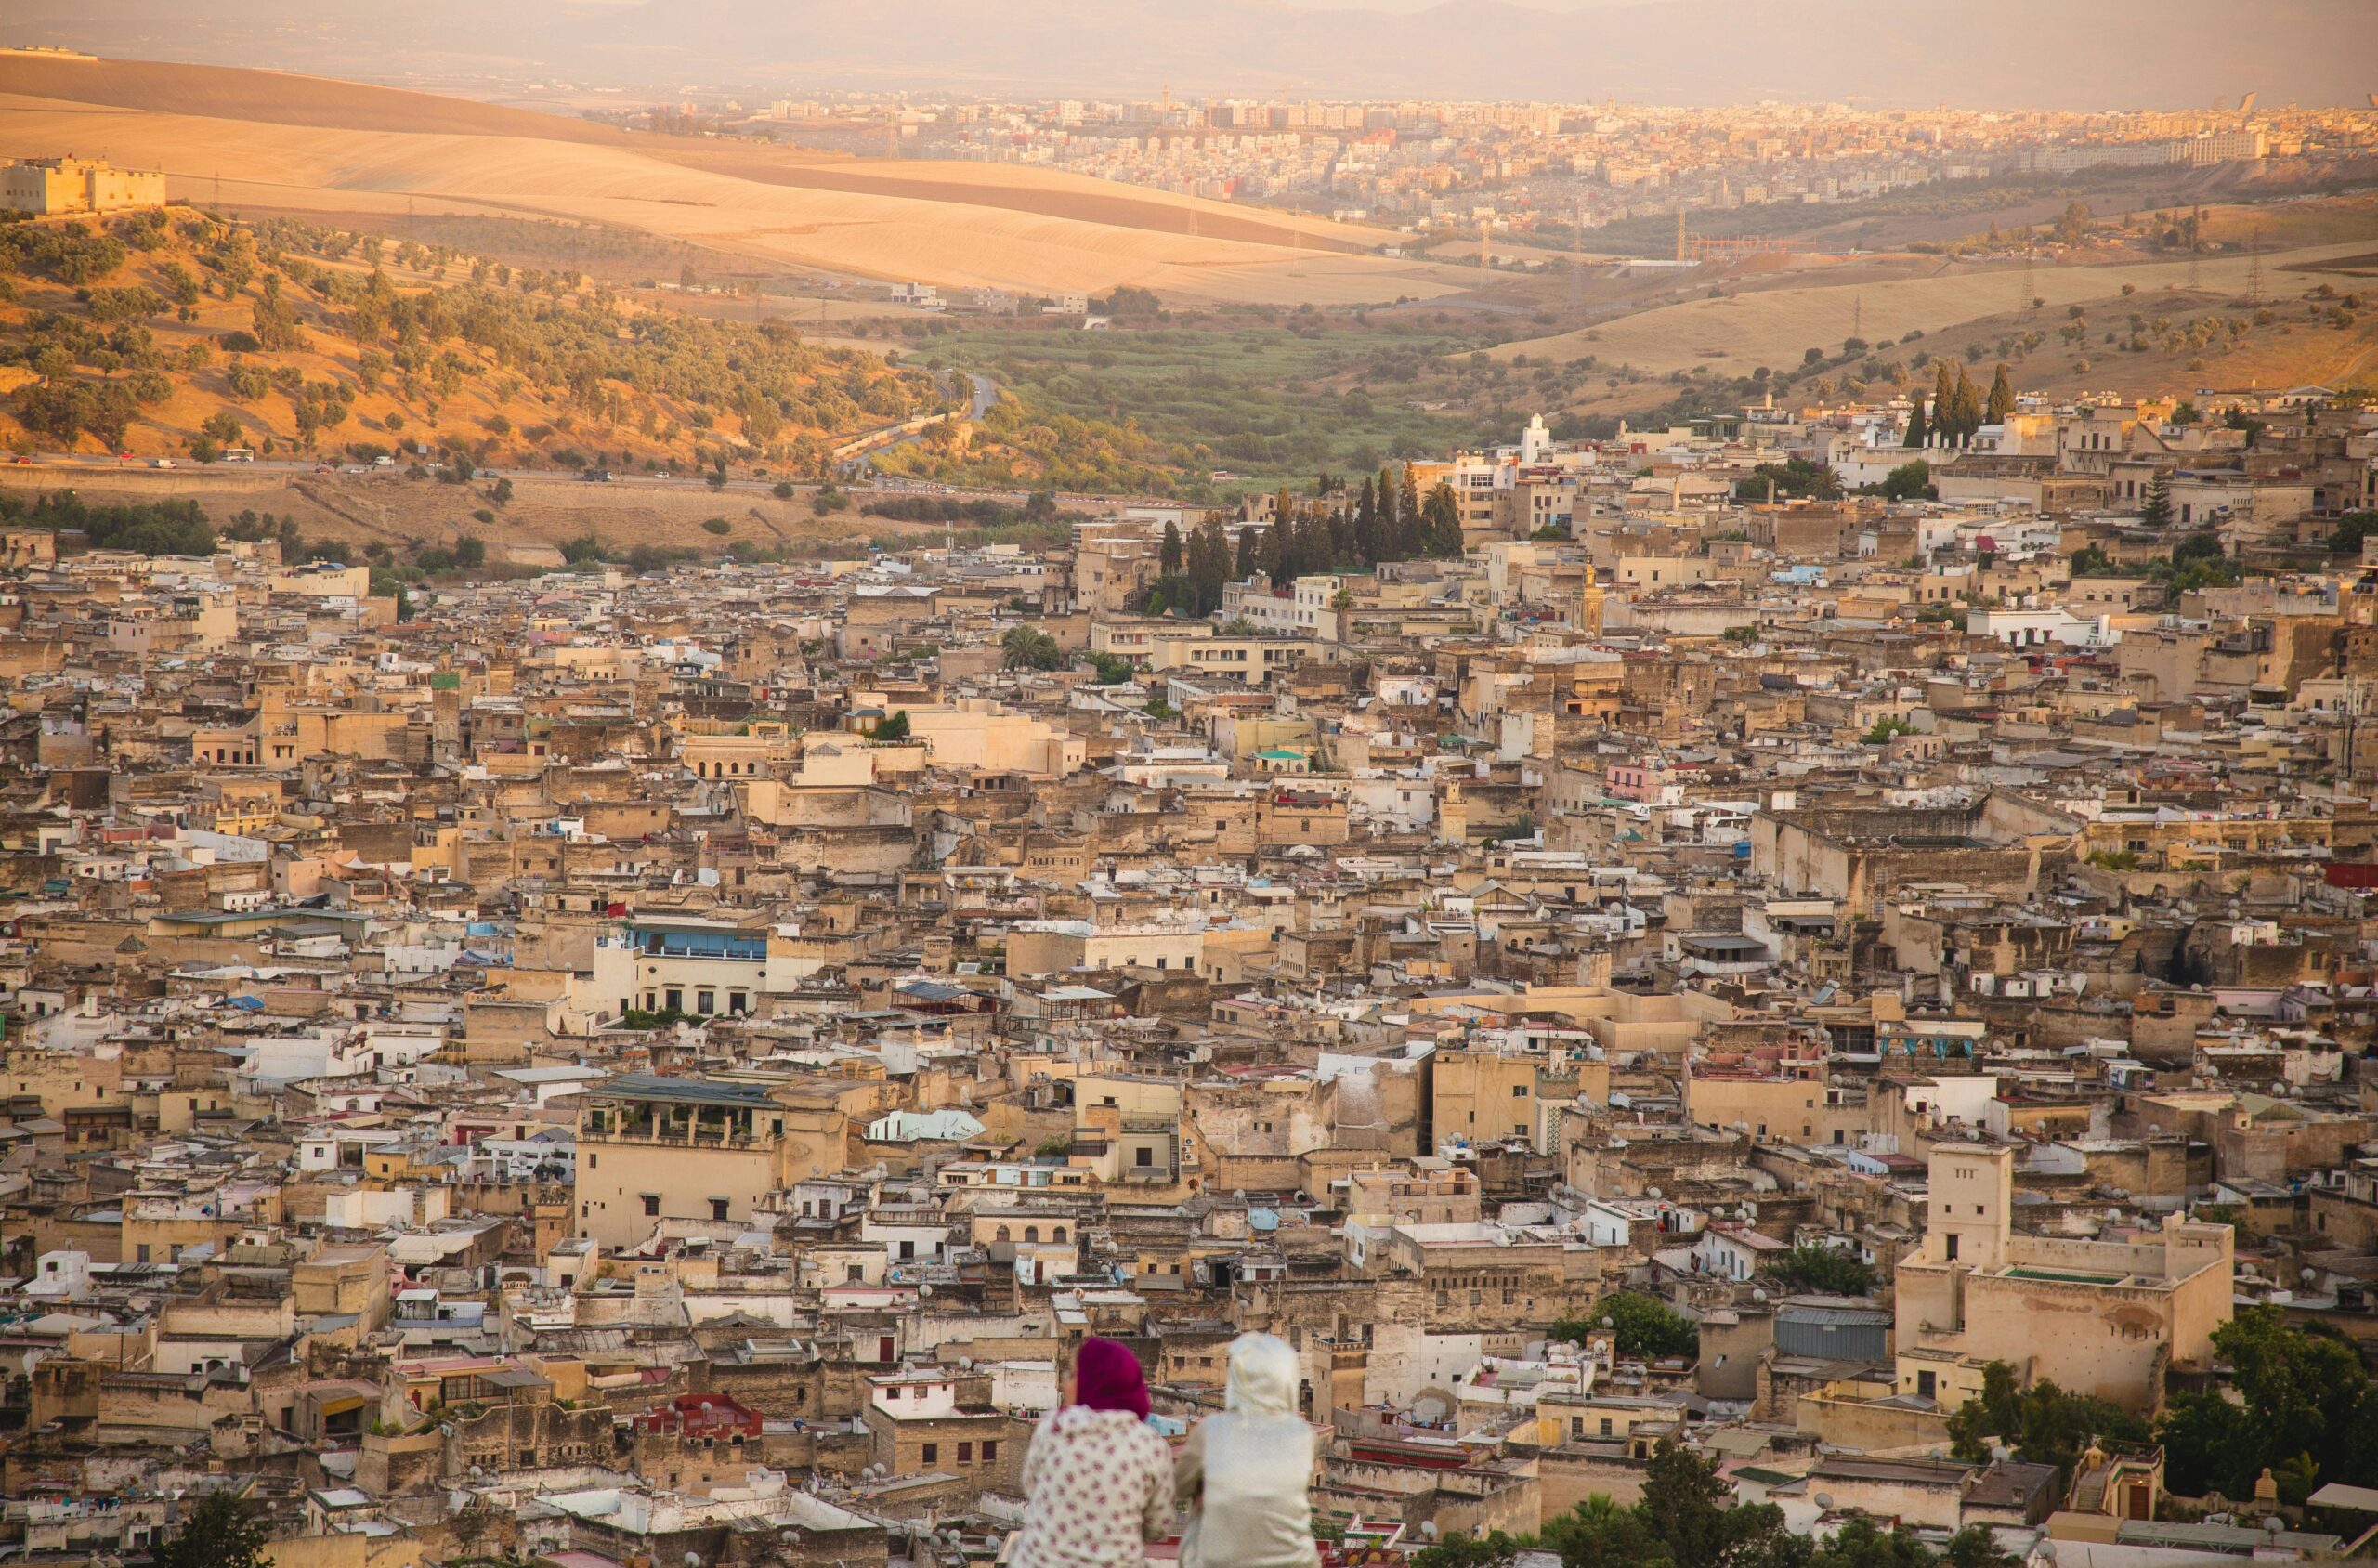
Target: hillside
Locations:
point(256, 142)
point(174, 333)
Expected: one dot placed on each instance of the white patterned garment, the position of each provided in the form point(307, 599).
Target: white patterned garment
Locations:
point(1098, 1483)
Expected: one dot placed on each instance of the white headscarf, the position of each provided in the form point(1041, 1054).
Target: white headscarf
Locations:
point(1262, 1376)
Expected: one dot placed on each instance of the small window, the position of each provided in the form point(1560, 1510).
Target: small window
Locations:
point(931, 1455)
point(651, 1204)
point(718, 1208)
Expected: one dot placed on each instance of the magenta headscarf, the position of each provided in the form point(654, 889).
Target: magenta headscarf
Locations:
point(1106, 1376)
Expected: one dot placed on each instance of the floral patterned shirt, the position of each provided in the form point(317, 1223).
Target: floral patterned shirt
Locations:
point(1098, 1483)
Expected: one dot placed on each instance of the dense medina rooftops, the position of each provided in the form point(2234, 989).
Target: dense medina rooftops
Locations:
point(1529, 978)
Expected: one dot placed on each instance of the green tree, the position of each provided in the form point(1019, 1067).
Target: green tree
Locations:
point(221, 1531)
point(1795, 478)
point(1642, 1326)
point(1975, 1546)
point(2002, 398)
point(2308, 1412)
point(1889, 726)
point(2091, 561)
point(1491, 1550)
point(2155, 512)
point(1917, 434)
point(1830, 1271)
point(1441, 523)
point(1168, 553)
point(2045, 1424)
point(1910, 481)
point(894, 728)
point(2351, 530)
point(1028, 647)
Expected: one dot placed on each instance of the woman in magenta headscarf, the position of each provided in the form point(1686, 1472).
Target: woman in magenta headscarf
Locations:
point(1098, 1480)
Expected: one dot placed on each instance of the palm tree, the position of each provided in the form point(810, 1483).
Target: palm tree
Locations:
point(1028, 647)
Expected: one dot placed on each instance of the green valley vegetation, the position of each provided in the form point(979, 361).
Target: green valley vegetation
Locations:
point(1264, 395)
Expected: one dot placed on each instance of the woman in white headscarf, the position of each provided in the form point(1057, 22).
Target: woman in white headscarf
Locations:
point(1245, 1472)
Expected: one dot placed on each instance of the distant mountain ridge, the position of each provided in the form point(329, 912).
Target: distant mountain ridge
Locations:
point(2061, 54)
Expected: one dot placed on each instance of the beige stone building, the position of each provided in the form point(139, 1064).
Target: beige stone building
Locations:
point(44, 186)
point(2106, 1317)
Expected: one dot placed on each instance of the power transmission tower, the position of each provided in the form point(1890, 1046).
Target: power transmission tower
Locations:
point(2255, 269)
point(1680, 234)
point(1858, 316)
point(2024, 307)
point(2195, 241)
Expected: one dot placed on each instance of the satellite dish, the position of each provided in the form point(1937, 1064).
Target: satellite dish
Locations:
point(1758, 1295)
point(1824, 1500)
point(693, 1560)
point(1428, 1528)
point(2276, 1525)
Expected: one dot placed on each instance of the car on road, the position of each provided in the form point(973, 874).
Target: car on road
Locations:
point(161, 463)
point(355, 468)
point(23, 458)
point(661, 473)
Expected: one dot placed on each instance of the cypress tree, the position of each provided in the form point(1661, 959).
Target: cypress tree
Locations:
point(1944, 404)
point(1168, 553)
point(1246, 555)
point(1367, 523)
point(1915, 431)
point(2002, 398)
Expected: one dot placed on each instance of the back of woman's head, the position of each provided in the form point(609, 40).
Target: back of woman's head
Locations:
point(1262, 1376)
point(1107, 1377)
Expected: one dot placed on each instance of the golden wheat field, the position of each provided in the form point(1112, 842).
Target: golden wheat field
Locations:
point(273, 142)
point(1737, 333)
